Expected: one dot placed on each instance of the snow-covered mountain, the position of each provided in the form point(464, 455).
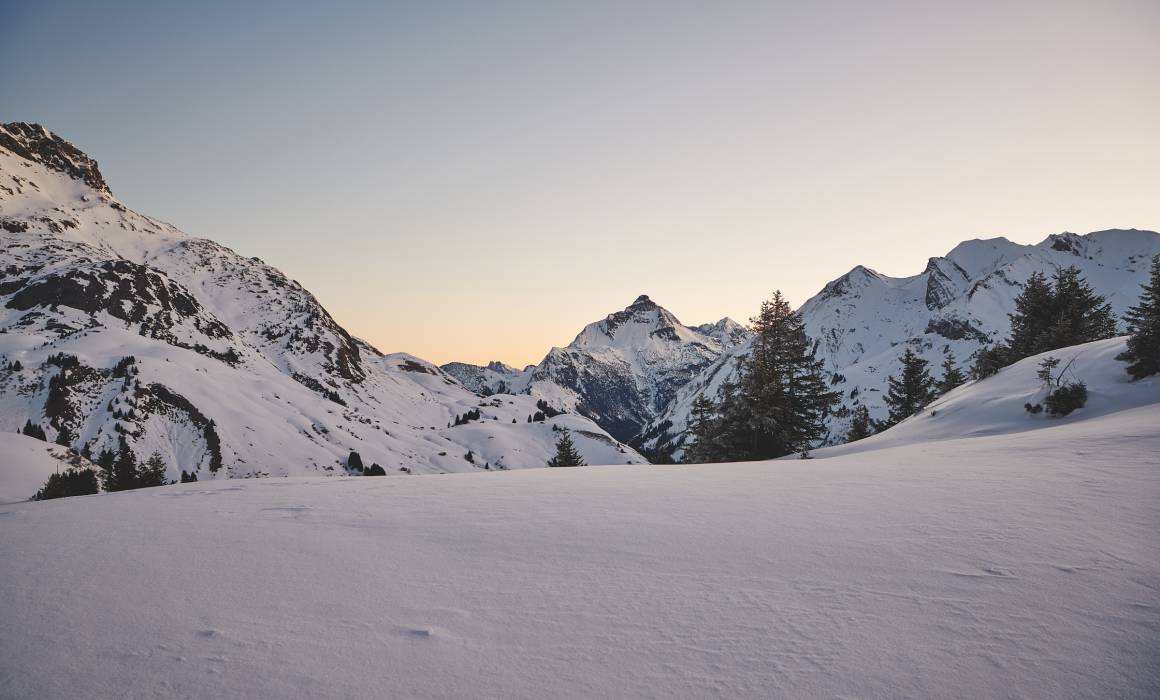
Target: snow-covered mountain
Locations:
point(961, 301)
point(114, 324)
point(621, 371)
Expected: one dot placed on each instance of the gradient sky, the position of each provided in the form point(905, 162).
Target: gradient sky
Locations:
point(476, 181)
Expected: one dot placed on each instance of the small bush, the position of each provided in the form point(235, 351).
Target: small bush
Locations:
point(375, 470)
point(1066, 399)
point(1033, 408)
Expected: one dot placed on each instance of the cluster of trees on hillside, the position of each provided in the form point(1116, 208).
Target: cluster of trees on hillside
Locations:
point(1049, 314)
point(778, 404)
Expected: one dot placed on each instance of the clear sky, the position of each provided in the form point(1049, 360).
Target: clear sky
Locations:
point(478, 180)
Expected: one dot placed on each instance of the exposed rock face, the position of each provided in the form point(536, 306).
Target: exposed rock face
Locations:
point(35, 143)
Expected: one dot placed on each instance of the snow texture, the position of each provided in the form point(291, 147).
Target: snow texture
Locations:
point(978, 552)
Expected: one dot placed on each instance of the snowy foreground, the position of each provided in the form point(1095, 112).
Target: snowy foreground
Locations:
point(1018, 565)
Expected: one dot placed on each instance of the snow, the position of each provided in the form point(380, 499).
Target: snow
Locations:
point(269, 408)
point(862, 321)
point(25, 464)
point(979, 552)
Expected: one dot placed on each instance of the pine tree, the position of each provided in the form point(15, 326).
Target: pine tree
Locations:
point(152, 472)
point(188, 477)
point(782, 392)
point(1049, 317)
point(1033, 318)
point(861, 426)
point(913, 389)
point(702, 429)
point(1081, 315)
point(952, 376)
point(122, 472)
point(566, 453)
point(1144, 326)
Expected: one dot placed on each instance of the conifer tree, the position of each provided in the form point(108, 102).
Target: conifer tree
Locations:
point(861, 426)
point(702, 429)
point(912, 390)
point(1033, 318)
point(152, 472)
point(952, 376)
point(1144, 325)
point(121, 475)
point(566, 453)
point(783, 388)
point(1081, 315)
point(1057, 315)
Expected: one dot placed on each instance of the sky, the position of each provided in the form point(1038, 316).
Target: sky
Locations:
point(476, 181)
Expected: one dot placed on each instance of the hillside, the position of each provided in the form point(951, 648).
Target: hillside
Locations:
point(862, 321)
point(978, 552)
point(115, 326)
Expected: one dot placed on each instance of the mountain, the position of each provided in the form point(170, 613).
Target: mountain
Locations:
point(620, 371)
point(114, 325)
point(861, 321)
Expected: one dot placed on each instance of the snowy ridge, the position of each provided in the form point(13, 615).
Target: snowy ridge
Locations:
point(237, 370)
point(861, 321)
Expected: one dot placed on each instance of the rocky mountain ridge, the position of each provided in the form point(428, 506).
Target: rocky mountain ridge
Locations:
point(116, 327)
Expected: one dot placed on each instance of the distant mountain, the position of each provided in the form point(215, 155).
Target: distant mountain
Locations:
point(117, 326)
point(621, 371)
point(861, 321)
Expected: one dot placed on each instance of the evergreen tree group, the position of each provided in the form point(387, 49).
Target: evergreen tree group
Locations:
point(1050, 315)
point(120, 470)
point(911, 391)
point(33, 430)
point(566, 453)
point(71, 482)
point(777, 406)
point(1143, 320)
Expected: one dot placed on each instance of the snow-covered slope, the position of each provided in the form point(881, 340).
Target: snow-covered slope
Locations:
point(996, 405)
point(1013, 564)
point(621, 371)
point(114, 325)
point(861, 321)
point(26, 463)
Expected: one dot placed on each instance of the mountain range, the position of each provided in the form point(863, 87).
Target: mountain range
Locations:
point(116, 327)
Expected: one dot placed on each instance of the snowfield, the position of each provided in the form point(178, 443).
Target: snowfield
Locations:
point(1022, 561)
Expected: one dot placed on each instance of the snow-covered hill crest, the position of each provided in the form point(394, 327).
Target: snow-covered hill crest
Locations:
point(117, 326)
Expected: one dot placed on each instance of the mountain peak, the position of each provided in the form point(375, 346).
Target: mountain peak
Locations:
point(642, 300)
point(35, 143)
